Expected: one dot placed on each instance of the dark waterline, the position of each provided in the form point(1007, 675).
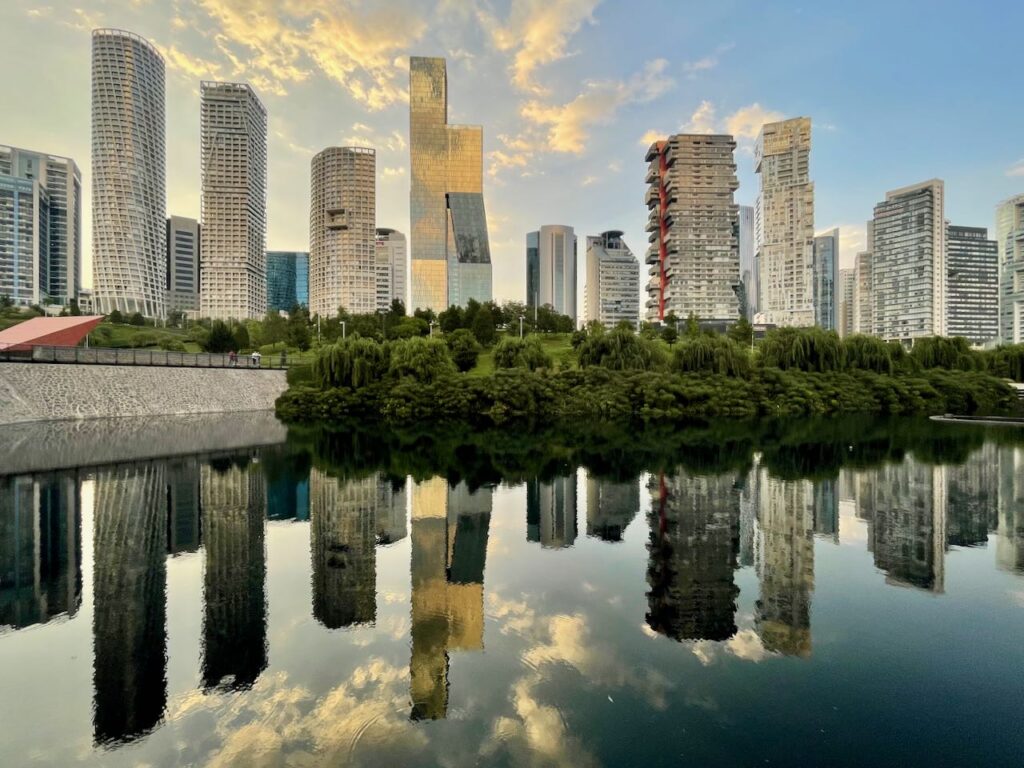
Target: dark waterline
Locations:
point(841, 592)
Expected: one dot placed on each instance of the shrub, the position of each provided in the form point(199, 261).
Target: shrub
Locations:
point(171, 345)
point(528, 353)
point(352, 362)
point(421, 359)
point(621, 350)
point(464, 348)
point(219, 339)
point(137, 319)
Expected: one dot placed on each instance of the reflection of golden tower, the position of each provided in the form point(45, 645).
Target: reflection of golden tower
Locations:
point(611, 507)
point(343, 530)
point(235, 620)
point(1010, 542)
point(694, 542)
point(786, 564)
point(40, 548)
point(129, 601)
point(449, 546)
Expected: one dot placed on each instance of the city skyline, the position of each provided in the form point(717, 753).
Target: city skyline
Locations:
point(538, 120)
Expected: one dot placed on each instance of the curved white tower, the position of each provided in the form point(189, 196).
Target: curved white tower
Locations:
point(128, 198)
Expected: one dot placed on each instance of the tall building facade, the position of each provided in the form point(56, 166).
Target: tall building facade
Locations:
point(233, 143)
point(551, 269)
point(183, 260)
point(392, 268)
point(40, 226)
point(908, 263)
point(551, 511)
point(129, 218)
point(863, 297)
point(826, 268)
point(451, 254)
point(611, 294)
point(693, 228)
point(342, 231)
point(1010, 242)
point(972, 284)
point(784, 219)
point(287, 280)
point(846, 284)
point(748, 261)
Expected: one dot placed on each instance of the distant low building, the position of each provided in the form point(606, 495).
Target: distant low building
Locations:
point(182, 264)
point(612, 292)
point(392, 268)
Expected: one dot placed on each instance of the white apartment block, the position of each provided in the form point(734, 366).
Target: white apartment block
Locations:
point(693, 228)
point(612, 289)
point(784, 219)
point(233, 144)
point(554, 269)
point(863, 299)
point(846, 286)
point(1010, 242)
point(342, 231)
point(129, 223)
point(908, 263)
point(392, 268)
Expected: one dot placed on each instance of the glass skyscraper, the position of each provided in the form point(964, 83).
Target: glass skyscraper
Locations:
point(972, 284)
point(287, 280)
point(826, 267)
point(451, 256)
point(551, 269)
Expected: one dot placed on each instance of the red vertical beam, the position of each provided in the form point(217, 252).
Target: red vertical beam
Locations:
point(662, 227)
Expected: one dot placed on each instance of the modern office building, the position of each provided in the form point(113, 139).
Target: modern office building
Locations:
point(40, 227)
point(863, 298)
point(392, 268)
point(693, 228)
point(824, 289)
point(611, 507)
point(1010, 241)
point(451, 254)
point(748, 261)
point(342, 231)
point(611, 294)
point(287, 280)
point(972, 284)
point(233, 143)
point(183, 260)
point(129, 208)
point(784, 220)
point(847, 281)
point(908, 263)
point(551, 269)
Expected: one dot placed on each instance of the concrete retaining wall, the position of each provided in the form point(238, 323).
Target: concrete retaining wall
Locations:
point(47, 392)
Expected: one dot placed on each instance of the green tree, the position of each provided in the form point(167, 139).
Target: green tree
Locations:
point(426, 315)
point(6, 301)
point(451, 319)
point(692, 328)
point(621, 350)
point(115, 317)
point(464, 348)
point(528, 352)
point(352, 362)
point(74, 309)
point(397, 308)
point(482, 325)
point(423, 360)
point(137, 319)
point(241, 336)
point(298, 334)
point(805, 349)
point(742, 332)
point(669, 335)
point(220, 338)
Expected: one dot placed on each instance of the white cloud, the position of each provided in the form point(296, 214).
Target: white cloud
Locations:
point(705, 63)
point(1017, 169)
point(852, 240)
point(393, 172)
point(702, 120)
point(587, 181)
point(650, 136)
point(538, 32)
point(746, 122)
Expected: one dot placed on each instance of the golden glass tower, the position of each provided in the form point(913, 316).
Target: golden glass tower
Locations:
point(451, 255)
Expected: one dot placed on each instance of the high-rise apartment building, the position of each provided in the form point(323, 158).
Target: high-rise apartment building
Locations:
point(287, 280)
point(392, 268)
point(694, 228)
point(129, 219)
point(551, 269)
point(342, 231)
point(908, 263)
point(748, 261)
point(183, 259)
point(40, 194)
point(1010, 241)
point(972, 284)
point(846, 283)
point(233, 143)
point(612, 291)
point(826, 268)
point(451, 254)
point(863, 297)
point(784, 219)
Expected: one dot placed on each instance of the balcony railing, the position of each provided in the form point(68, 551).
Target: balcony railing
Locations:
point(145, 357)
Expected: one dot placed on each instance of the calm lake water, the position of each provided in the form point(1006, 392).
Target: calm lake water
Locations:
point(813, 593)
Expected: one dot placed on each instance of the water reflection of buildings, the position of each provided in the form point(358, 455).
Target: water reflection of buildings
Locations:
point(784, 555)
point(235, 619)
point(449, 550)
point(349, 517)
point(611, 507)
point(551, 511)
point(184, 527)
point(1010, 514)
point(129, 601)
point(694, 543)
point(40, 549)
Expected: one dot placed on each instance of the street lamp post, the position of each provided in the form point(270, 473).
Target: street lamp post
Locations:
point(432, 324)
point(521, 318)
point(318, 330)
point(342, 330)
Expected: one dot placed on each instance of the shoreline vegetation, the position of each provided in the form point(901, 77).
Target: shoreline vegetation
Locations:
point(618, 375)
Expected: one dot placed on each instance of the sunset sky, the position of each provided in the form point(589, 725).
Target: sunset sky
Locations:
point(569, 93)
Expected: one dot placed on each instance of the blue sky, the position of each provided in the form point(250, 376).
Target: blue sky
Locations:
point(567, 92)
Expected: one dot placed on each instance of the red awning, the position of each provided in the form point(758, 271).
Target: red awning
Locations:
point(48, 331)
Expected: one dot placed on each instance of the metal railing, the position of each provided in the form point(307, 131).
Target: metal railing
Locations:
point(144, 357)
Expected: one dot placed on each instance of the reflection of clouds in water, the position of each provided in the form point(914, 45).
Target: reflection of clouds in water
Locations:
point(277, 723)
point(1018, 598)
